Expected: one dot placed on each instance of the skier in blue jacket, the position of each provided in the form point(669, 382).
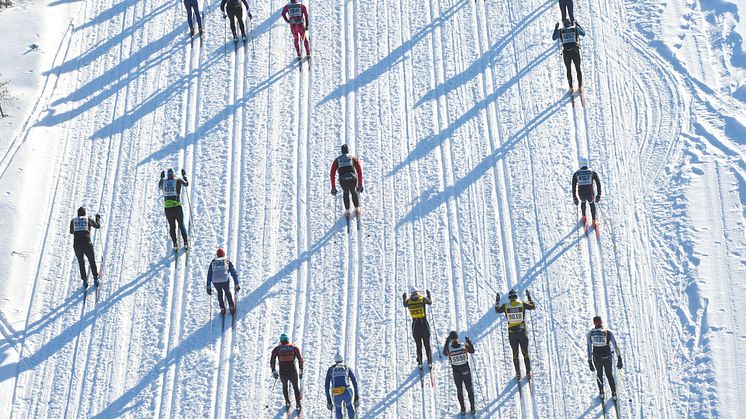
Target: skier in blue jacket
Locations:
point(570, 35)
point(217, 274)
point(338, 377)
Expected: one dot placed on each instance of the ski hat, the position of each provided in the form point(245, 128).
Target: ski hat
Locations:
point(583, 162)
point(513, 295)
point(345, 149)
point(567, 22)
point(597, 321)
point(220, 252)
point(81, 211)
point(338, 358)
point(453, 335)
point(284, 338)
point(412, 290)
point(170, 172)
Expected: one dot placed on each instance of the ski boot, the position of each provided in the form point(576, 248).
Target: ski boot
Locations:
point(583, 220)
point(191, 31)
point(244, 38)
point(235, 39)
point(429, 364)
point(95, 281)
point(201, 31)
point(222, 311)
point(473, 411)
point(419, 365)
point(85, 283)
point(176, 247)
point(298, 407)
point(518, 375)
point(601, 394)
point(595, 223)
point(613, 395)
point(300, 57)
point(287, 406)
point(186, 245)
point(463, 412)
point(233, 310)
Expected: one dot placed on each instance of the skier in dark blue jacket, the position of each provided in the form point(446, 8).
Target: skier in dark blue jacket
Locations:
point(217, 274)
point(338, 392)
point(232, 10)
point(570, 35)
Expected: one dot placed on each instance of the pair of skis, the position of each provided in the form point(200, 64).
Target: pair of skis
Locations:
point(422, 376)
point(603, 406)
point(588, 227)
point(579, 93)
point(348, 215)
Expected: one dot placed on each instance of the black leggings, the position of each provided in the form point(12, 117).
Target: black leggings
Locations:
point(421, 335)
point(591, 199)
point(463, 378)
point(223, 287)
point(86, 251)
point(236, 12)
point(516, 339)
point(292, 378)
point(601, 365)
point(173, 215)
point(573, 57)
point(349, 187)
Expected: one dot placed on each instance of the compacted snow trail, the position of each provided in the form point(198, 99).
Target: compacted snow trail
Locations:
point(468, 139)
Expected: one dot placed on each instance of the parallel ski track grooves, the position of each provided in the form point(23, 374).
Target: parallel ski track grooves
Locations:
point(491, 122)
point(408, 124)
point(166, 406)
point(232, 223)
point(75, 386)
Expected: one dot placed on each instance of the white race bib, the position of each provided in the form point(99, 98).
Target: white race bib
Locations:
point(80, 224)
point(568, 36)
point(585, 178)
point(459, 359)
point(169, 187)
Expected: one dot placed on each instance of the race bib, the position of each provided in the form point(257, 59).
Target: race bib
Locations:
point(598, 339)
point(344, 161)
point(169, 187)
point(417, 312)
point(515, 315)
point(585, 178)
point(568, 36)
point(294, 11)
point(218, 265)
point(80, 224)
point(459, 359)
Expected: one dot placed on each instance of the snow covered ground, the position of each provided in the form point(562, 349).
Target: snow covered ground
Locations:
point(458, 111)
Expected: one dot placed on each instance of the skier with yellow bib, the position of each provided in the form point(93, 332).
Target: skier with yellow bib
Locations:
point(420, 327)
point(515, 312)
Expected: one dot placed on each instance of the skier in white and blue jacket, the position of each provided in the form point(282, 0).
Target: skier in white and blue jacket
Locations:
point(338, 378)
point(570, 35)
point(217, 274)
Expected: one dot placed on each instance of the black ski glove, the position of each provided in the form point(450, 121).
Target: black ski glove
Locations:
point(163, 174)
point(224, 16)
point(334, 191)
point(590, 365)
point(360, 189)
point(275, 374)
point(251, 17)
point(575, 200)
point(183, 173)
point(467, 340)
point(329, 405)
point(404, 296)
point(356, 402)
point(209, 290)
point(98, 217)
point(237, 288)
point(528, 295)
point(598, 197)
point(556, 26)
point(427, 292)
point(619, 363)
point(300, 375)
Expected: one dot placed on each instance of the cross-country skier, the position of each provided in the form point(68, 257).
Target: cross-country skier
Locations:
point(296, 15)
point(566, 10)
point(515, 311)
point(583, 191)
point(338, 392)
point(420, 327)
point(287, 353)
point(600, 340)
point(171, 187)
point(232, 9)
point(217, 274)
point(192, 8)
point(350, 172)
point(569, 36)
point(80, 228)
point(458, 354)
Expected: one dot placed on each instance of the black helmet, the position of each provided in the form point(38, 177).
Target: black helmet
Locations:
point(513, 295)
point(81, 211)
point(170, 172)
point(345, 149)
point(453, 335)
point(597, 321)
point(567, 22)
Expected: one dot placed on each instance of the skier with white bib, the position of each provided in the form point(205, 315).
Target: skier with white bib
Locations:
point(458, 355)
point(337, 388)
point(171, 188)
point(350, 178)
point(570, 35)
point(80, 228)
point(420, 327)
point(583, 181)
point(600, 355)
point(217, 274)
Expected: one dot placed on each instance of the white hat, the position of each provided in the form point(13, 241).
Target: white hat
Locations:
point(412, 290)
point(338, 358)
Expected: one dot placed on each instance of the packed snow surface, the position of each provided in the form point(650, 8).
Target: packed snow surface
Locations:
point(459, 112)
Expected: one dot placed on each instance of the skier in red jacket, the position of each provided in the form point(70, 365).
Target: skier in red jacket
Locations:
point(296, 15)
point(350, 178)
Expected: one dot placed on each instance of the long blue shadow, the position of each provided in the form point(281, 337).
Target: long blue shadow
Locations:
point(431, 142)
point(430, 200)
point(487, 59)
point(393, 57)
point(392, 396)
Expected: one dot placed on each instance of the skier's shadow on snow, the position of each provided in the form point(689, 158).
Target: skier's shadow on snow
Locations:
point(391, 397)
point(68, 335)
point(508, 393)
point(550, 256)
point(430, 199)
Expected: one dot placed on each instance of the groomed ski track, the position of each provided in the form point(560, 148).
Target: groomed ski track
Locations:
point(459, 112)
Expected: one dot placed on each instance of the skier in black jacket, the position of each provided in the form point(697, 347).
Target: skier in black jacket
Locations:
point(569, 35)
point(458, 354)
point(600, 355)
point(232, 10)
point(583, 181)
point(171, 187)
point(80, 228)
point(420, 327)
